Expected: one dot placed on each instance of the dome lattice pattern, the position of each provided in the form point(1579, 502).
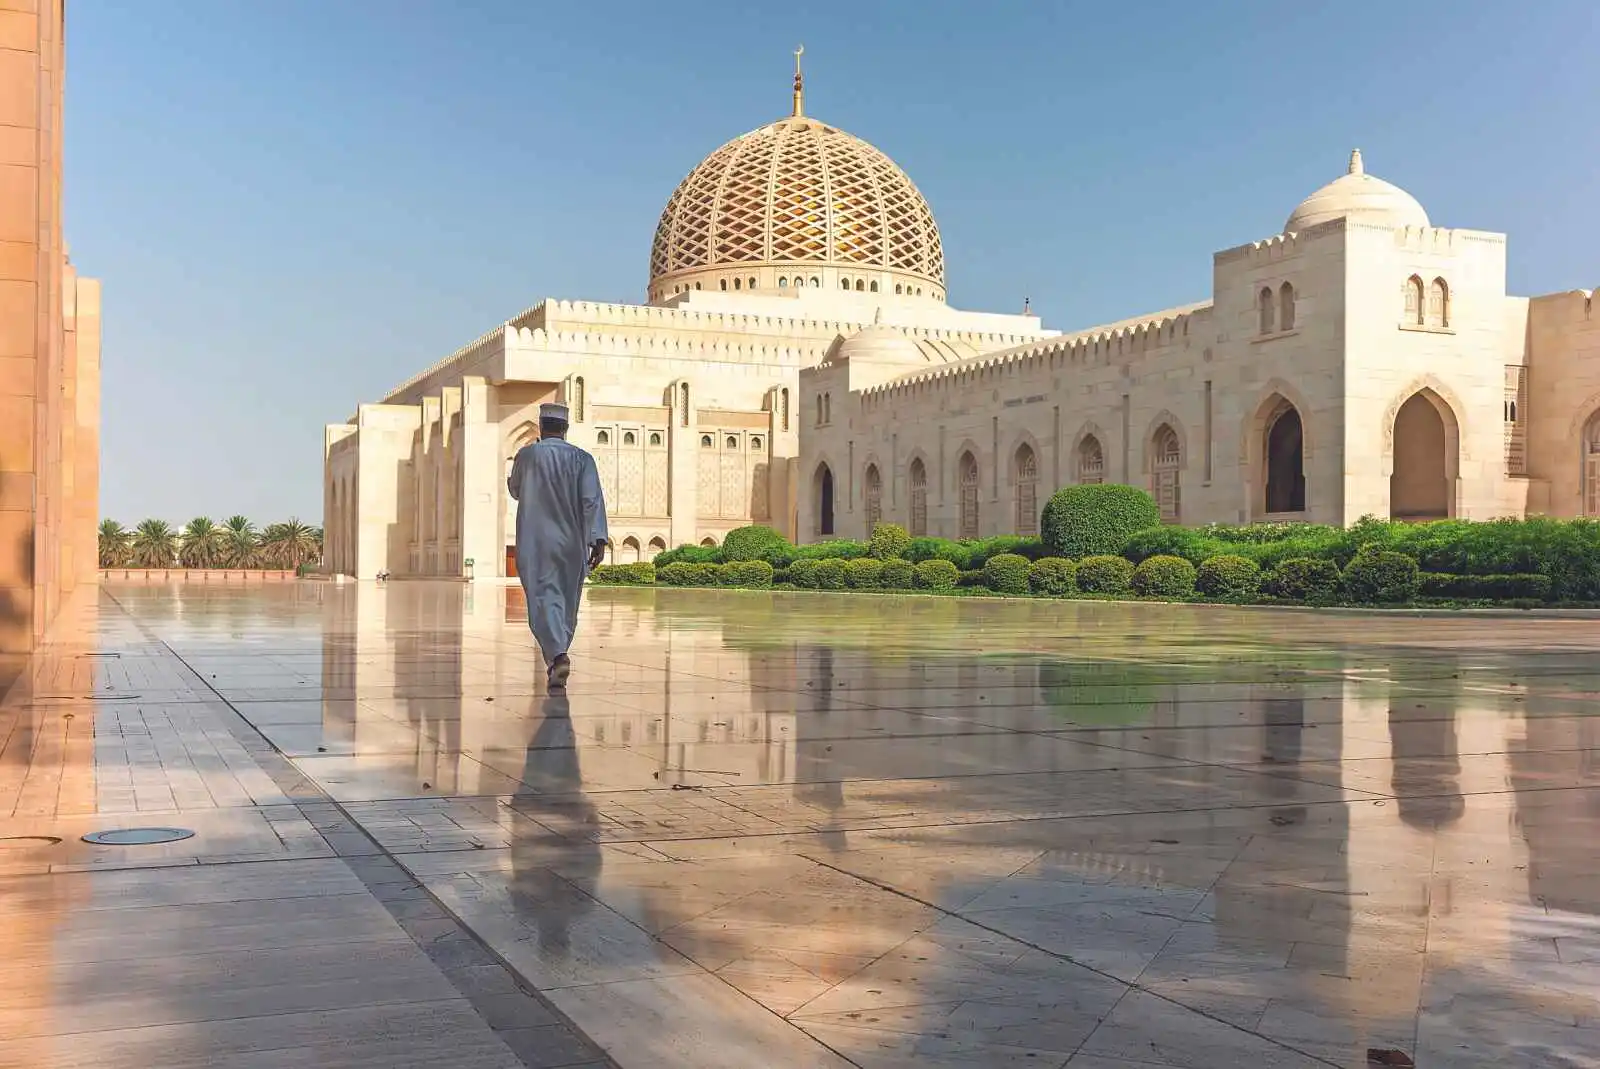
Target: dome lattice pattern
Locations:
point(798, 191)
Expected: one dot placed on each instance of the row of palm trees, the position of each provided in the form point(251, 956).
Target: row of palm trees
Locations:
point(235, 543)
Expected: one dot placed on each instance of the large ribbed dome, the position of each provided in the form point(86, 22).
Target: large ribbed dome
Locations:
point(797, 202)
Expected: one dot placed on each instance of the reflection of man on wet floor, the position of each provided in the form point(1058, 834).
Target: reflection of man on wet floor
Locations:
point(561, 534)
point(554, 857)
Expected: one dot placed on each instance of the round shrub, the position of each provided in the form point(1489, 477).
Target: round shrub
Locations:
point(755, 574)
point(640, 574)
point(935, 575)
point(1303, 579)
point(1229, 577)
point(1006, 573)
point(1164, 577)
point(1380, 577)
point(1054, 577)
point(1170, 541)
point(1104, 575)
point(896, 575)
point(803, 574)
point(888, 541)
point(1084, 521)
point(830, 574)
point(751, 543)
point(689, 555)
point(683, 573)
point(863, 574)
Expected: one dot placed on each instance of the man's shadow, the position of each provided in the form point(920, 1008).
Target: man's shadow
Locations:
point(555, 857)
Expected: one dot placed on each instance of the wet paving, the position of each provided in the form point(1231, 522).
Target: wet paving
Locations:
point(831, 830)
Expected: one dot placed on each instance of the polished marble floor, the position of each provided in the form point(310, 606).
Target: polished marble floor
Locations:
point(802, 830)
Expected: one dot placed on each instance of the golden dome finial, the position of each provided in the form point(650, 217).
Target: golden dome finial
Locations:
point(799, 84)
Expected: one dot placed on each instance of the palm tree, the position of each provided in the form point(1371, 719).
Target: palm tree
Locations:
point(241, 544)
point(201, 545)
point(291, 543)
point(154, 545)
point(115, 544)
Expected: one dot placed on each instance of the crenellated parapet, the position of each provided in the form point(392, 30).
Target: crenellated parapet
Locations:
point(1100, 347)
point(483, 347)
point(1572, 307)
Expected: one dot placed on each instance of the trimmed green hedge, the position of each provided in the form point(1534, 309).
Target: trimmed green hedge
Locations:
point(897, 575)
point(1083, 521)
point(935, 575)
point(1485, 587)
point(756, 574)
point(1229, 578)
point(1380, 577)
point(1164, 577)
point(1053, 577)
point(1303, 579)
point(1006, 573)
point(682, 573)
point(752, 543)
point(1104, 574)
point(641, 574)
point(864, 574)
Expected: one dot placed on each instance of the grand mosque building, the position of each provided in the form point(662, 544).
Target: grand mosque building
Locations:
point(796, 364)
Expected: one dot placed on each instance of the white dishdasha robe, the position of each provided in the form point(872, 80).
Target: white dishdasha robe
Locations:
point(561, 513)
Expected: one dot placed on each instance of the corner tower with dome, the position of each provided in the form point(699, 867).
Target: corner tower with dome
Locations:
point(1361, 362)
point(771, 252)
point(795, 363)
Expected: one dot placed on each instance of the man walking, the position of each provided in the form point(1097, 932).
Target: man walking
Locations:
point(561, 534)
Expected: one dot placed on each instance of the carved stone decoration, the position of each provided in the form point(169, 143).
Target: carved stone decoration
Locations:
point(707, 485)
point(656, 484)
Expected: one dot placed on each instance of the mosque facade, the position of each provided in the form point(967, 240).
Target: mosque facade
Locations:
point(795, 363)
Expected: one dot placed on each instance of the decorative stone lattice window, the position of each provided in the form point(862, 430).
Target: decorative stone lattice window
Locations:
point(919, 498)
point(1166, 462)
point(1439, 303)
point(1264, 308)
point(1516, 420)
point(1026, 475)
point(874, 497)
point(1411, 292)
point(1091, 461)
point(969, 496)
point(1286, 307)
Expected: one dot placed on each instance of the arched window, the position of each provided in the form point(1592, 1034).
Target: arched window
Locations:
point(736, 283)
point(783, 408)
point(897, 288)
point(1591, 466)
point(1285, 457)
point(755, 445)
point(1439, 304)
point(919, 497)
point(684, 388)
point(1411, 291)
point(657, 545)
point(1166, 460)
point(816, 283)
point(873, 288)
point(1286, 307)
point(1091, 460)
point(732, 441)
point(722, 283)
point(752, 284)
point(697, 285)
point(919, 291)
point(628, 438)
point(706, 442)
point(861, 285)
point(579, 399)
point(968, 467)
point(844, 283)
point(1025, 484)
point(827, 408)
point(819, 410)
point(1264, 304)
point(799, 282)
point(629, 553)
point(604, 437)
point(874, 495)
point(822, 489)
point(708, 542)
point(783, 283)
point(655, 437)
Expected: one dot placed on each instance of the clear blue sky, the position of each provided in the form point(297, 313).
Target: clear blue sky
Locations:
point(297, 204)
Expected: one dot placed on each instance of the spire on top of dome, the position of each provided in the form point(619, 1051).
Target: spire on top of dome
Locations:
point(1355, 162)
point(799, 84)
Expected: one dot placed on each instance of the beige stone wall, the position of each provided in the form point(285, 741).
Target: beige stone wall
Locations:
point(49, 343)
point(1563, 342)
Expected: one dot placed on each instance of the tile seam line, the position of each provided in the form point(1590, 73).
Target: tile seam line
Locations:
point(1127, 985)
point(327, 799)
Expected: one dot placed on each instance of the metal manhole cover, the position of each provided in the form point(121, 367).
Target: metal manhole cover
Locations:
point(137, 836)
point(18, 842)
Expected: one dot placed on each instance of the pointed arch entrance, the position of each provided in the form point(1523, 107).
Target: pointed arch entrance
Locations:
point(822, 494)
point(1426, 437)
point(1284, 455)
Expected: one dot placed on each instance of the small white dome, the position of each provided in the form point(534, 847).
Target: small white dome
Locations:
point(880, 342)
point(1359, 196)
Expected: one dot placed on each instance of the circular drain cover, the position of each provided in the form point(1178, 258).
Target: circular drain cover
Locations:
point(137, 836)
point(23, 841)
